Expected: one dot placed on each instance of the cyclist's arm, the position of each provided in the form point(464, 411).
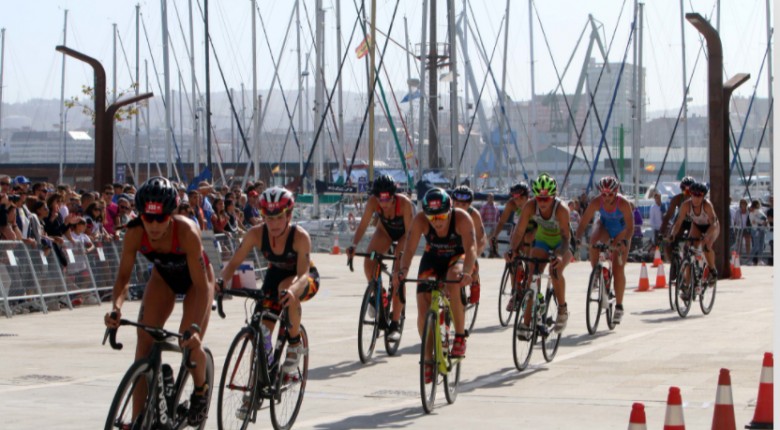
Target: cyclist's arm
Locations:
point(412, 240)
point(197, 308)
point(253, 238)
point(628, 219)
point(130, 247)
point(674, 203)
point(508, 211)
point(564, 219)
point(519, 231)
point(479, 230)
point(371, 207)
point(587, 216)
point(302, 245)
point(683, 214)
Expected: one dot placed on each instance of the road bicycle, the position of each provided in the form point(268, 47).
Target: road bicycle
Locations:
point(694, 280)
point(252, 372)
point(511, 281)
point(376, 309)
point(674, 270)
point(167, 402)
point(438, 338)
point(535, 314)
point(601, 294)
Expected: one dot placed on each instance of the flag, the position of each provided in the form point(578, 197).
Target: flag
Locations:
point(363, 48)
point(681, 172)
point(276, 170)
point(411, 96)
point(484, 175)
point(650, 168)
point(409, 155)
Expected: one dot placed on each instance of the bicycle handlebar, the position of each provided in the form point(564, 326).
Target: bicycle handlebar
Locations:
point(159, 334)
point(375, 256)
point(436, 282)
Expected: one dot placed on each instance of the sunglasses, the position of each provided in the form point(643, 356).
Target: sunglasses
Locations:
point(608, 194)
point(517, 195)
point(463, 198)
point(543, 199)
point(150, 218)
point(124, 208)
point(697, 194)
point(438, 217)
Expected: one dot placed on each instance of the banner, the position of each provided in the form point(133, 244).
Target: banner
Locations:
point(329, 187)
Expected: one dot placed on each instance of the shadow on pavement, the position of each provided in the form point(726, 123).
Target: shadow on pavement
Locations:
point(389, 419)
point(505, 377)
point(344, 369)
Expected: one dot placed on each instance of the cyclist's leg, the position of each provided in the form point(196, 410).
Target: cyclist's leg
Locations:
point(156, 307)
point(197, 303)
point(619, 274)
point(598, 234)
point(458, 311)
point(380, 242)
point(426, 270)
point(398, 304)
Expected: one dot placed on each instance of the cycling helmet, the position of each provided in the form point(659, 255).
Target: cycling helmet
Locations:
point(275, 201)
point(545, 185)
point(157, 196)
point(699, 187)
point(686, 182)
point(520, 188)
point(384, 184)
point(436, 201)
point(463, 194)
point(608, 184)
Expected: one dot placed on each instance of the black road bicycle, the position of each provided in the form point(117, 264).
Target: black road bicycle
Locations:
point(694, 280)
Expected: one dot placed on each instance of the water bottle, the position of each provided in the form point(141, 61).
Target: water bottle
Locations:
point(445, 331)
point(267, 344)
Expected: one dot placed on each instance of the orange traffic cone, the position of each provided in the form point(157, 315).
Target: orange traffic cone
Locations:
point(763, 418)
point(644, 283)
point(335, 250)
point(723, 418)
point(731, 262)
point(637, 420)
point(657, 258)
point(660, 278)
point(736, 271)
point(674, 413)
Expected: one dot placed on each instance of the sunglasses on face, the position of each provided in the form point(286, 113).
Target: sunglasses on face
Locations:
point(608, 194)
point(462, 198)
point(439, 217)
point(697, 194)
point(274, 217)
point(150, 218)
point(5, 184)
point(543, 199)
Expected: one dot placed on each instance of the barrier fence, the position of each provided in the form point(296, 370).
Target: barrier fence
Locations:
point(34, 280)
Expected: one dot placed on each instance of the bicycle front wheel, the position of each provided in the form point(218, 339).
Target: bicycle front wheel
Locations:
point(707, 296)
point(187, 387)
point(674, 275)
point(120, 416)
point(238, 398)
point(523, 335)
point(593, 300)
point(550, 338)
point(505, 295)
point(368, 325)
point(469, 308)
point(684, 289)
point(429, 370)
point(290, 388)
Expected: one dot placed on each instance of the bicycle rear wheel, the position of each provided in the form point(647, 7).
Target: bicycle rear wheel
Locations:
point(120, 415)
point(505, 295)
point(523, 335)
point(368, 326)
point(593, 299)
point(290, 387)
point(187, 387)
point(238, 398)
point(674, 275)
point(684, 289)
point(550, 338)
point(427, 361)
point(707, 296)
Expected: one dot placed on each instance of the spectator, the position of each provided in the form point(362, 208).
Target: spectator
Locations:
point(77, 234)
point(197, 209)
point(54, 224)
point(124, 215)
point(23, 182)
point(182, 190)
point(8, 228)
point(111, 209)
point(205, 190)
point(758, 222)
point(93, 216)
point(656, 218)
point(19, 198)
point(770, 220)
point(489, 213)
point(39, 191)
point(117, 189)
point(234, 225)
point(251, 213)
point(638, 220)
point(741, 224)
point(219, 218)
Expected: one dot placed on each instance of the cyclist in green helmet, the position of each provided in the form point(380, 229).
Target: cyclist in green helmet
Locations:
point(552, 236)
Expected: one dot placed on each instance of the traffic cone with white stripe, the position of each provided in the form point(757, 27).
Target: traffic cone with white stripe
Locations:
point(660, 277)
point(736, 271)
point(723, 418)
point(644, 283)
point(763, 418)
point(657, 257)
point(335, 250)
point(674, 412)
point(637, 420)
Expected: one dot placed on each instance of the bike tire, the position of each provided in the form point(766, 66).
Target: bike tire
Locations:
point(683, 294)
point(186, 387)
point(551, 339)
point(428, 388)
point(611, 324)
point(707, 296)
point(233, 408)
point(593, 299)
point(470, 309)
point(120, 415)
point(522, 347)
point(390, 346)
point(673, 280)
point(452, 382)
point(504, 295)
point(290, 388)
point(368, 327)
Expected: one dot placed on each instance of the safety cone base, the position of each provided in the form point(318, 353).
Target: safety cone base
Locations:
point(644, 283)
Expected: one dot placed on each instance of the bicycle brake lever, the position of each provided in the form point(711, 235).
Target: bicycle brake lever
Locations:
point(186, 353)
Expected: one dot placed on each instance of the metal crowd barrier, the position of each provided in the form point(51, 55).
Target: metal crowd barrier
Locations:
point(761, 244)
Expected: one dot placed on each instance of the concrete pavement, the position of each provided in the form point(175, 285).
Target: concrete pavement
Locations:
point(55, 373)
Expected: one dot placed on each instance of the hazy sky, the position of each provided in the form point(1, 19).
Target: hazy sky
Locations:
point(34, 28)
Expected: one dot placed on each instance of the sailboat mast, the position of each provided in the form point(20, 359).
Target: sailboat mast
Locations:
point(409, 85)
point(371, 86)
point(454, 134)
point(433, 107)
point(194, 96)
point(340, 135)
point(770, 98)
point(640, 106)
point(423, 67)
point(62, 95)
point(2, 66)
point(136, 120)
point(685, 87)
point(208, 84)
point(319, 95)
point(533, 86)
point(114, 98)
point(255, 107)
point(302, 145)
point(502, 118)
point(167, 89)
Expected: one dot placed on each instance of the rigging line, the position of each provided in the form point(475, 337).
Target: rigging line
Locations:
point(330, 98)
point(477, 104)
point(231, 44)
point(750, 105)
point(611, 107)
point(210, 41)
point(574, 51)
point(499, 92)
point(732, 145)
point(391, 124)
point(129, 71)
point(164, 102)
point(758, 149)
point(400, 116)
point(679, 115)
point(403, 48)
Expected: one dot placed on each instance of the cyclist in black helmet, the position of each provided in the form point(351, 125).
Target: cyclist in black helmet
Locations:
point(700, 214)
point(462, 197)
point(672, 212)
point(180, 266)
point(518, 197)
point(394, 212)
point(450, 253)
